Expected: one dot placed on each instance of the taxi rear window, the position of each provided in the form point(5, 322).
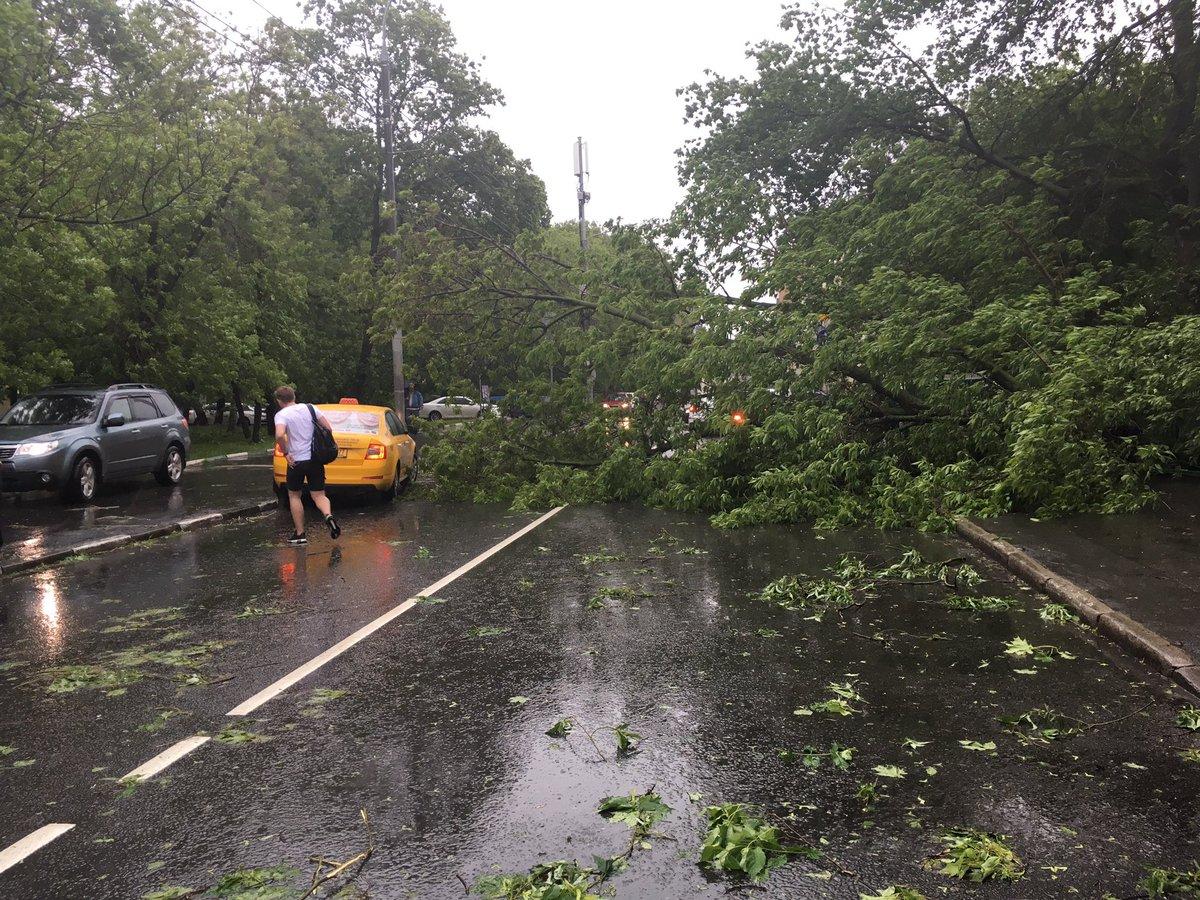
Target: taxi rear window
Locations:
point(349, 422)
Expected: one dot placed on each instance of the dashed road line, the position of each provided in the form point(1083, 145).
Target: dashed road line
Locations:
point(171, 755)
point(299, 674)
point(31, 844)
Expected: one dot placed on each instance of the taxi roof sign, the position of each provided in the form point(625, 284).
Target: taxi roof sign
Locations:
point(349, 401)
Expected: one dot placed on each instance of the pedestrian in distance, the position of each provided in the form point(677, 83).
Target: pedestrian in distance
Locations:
point(295, 426)
point(412, 406)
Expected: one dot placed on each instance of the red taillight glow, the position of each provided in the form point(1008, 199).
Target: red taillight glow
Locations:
point(376, 451)
point(278, 449)
point(737, 417)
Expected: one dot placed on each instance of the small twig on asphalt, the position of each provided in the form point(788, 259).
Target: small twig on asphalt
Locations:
point(584, 729)
point(339, 868)
point(1119, 718)
point(463, 882)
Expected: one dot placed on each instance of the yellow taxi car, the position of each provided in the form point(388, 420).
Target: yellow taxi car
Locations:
point(374, 450)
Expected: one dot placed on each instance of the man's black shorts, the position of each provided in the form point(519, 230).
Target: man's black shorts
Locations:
point(306, 469)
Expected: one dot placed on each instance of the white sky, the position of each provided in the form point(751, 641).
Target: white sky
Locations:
point(607, 71)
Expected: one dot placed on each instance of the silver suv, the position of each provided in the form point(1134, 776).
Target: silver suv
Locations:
point(69, 437)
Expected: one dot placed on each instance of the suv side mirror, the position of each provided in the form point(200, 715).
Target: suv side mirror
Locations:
point(113, 421)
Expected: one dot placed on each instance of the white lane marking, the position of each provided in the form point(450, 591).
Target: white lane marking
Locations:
point(171, 755)
point(31, 844)
point(298, 674)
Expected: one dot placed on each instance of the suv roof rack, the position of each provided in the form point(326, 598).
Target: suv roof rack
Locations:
point(129, 385)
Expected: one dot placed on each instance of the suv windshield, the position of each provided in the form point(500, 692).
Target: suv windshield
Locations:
point(57, 409)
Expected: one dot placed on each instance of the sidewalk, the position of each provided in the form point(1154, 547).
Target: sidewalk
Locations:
point(1144, 564)
point(40, 528)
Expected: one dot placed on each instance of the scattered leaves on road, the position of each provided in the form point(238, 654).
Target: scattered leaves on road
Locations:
point(235, 735)
point(895, 892)
point(627, 740)
point(977, 856)
point(1188, 718)
point(486, 631)
point(641, 812)
point(741, 843)
point(976, 745)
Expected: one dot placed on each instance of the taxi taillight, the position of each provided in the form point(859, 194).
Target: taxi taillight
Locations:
point(376, 451)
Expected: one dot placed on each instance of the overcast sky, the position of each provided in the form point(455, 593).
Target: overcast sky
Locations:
point(607, 71)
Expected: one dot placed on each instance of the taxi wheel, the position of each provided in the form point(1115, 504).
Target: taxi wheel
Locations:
point(400, 485)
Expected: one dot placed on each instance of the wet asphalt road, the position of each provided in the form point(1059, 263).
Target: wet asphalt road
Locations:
point(39, 523)
point(440, 734)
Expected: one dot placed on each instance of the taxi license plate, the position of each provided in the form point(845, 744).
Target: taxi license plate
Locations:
point(342, 454)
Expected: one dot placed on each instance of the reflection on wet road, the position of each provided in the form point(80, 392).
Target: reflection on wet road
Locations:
point(436, 723)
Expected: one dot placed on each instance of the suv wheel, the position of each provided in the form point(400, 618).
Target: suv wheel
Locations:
point(84, 480)
point(171, 469)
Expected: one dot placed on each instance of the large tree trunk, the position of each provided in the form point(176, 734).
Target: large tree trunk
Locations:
point(272, 408)
point(237, 416)
point(195, 406)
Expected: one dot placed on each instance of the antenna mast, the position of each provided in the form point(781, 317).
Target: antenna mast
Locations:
point(581, 172)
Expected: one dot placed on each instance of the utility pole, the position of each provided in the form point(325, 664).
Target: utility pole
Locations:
point(581, 171)
point(389, 168)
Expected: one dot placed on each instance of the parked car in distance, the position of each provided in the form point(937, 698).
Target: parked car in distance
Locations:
point(623, 400)
point(374, 450)
point(451, 408)
point(70, 438)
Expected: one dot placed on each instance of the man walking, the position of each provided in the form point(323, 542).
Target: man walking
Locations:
point(294, 432)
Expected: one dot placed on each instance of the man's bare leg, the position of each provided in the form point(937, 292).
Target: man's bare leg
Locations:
point(296, 504)
point(321, 502)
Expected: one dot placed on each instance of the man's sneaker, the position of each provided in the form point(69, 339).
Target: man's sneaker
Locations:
point(297, 539)
point(335, 530)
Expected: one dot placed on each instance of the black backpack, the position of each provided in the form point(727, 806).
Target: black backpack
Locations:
point(324, 447)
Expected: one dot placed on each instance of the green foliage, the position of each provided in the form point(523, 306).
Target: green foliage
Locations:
point(984, 604)
point(894, 892)
point(1188, 718)
point(1058, 613)
point(977, 856)
point(1010, 277)
point(627, 739)
point(226, 225)
point(641, 812)
point(561, 728)
point(737, 841)
point(234, 736)
point(1041, 725)
point(1171, 883)
point(255, 884)
point(1019, 648)
point(560, 880)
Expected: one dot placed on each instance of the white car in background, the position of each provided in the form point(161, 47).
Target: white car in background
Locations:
point(451, 408)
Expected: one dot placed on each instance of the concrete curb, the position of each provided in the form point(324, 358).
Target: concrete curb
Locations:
point(1135, 637)
point(245, 454)
point(191, 523)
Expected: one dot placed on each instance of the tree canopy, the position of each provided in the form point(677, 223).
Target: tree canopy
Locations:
point(204, 211)
point(996, 207)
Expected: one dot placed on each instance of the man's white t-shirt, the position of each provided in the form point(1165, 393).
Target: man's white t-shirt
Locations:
point(298, 421)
